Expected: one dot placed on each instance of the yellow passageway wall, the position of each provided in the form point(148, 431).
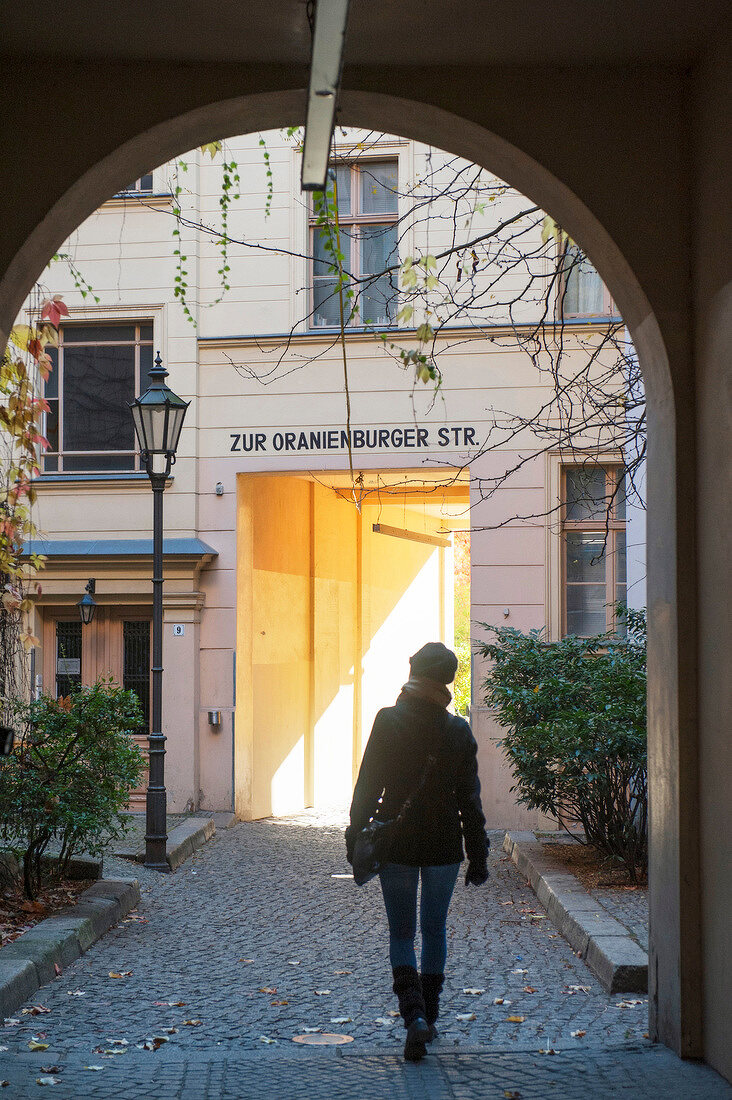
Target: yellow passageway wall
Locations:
point(328, 612)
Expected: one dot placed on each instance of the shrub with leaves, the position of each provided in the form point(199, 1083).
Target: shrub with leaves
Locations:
point(70, 775)
point(575, 716)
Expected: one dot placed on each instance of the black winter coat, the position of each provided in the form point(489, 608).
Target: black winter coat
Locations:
point(402, 738)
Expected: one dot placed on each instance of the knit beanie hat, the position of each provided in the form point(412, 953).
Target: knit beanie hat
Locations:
point(434, 661)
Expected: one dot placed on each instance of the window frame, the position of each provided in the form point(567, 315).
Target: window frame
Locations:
point(353, 221)
point(136, 188)
point(611, 526)
point(61, 453)
point(609, 309)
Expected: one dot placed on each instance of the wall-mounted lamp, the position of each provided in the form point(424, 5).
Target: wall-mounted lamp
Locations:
point(214, 718)
point(329, 33)
point(87, 604)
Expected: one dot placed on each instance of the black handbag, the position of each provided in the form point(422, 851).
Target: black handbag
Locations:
point(373, 842)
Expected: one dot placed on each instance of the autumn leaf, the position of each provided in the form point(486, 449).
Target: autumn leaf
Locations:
point(464, 1017)
point(515, 1019)
point(578, 1034)
point(529, 989)
point(266, 989)
point(53, 309)
point(279, 1002)
point(320, 992)
point(34, 1045)
point(48, 1080)
point(192, 1023)
point(474, 992)
point(120, 974)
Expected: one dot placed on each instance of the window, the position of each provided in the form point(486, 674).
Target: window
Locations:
point(68, 657)
point(594, 548)
point(136, 662)
point(367, 218)
point(145, 183)
point(583, 293)
point(97, 371)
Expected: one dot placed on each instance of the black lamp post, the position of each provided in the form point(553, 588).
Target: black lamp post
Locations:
point(87, 604)
point(158, 416)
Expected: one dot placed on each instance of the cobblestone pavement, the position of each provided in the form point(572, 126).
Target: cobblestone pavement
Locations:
point(260, 939)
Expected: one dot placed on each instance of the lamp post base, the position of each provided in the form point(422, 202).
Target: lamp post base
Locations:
point(153, 865)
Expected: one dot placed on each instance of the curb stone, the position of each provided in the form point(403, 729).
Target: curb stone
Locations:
point(183, 840)
point(30, 961)
point(614, 957)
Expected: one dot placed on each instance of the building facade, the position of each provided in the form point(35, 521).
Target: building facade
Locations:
point(301, 572)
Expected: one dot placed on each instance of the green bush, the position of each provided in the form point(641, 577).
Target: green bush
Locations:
point(70, 775)
point(575, 716)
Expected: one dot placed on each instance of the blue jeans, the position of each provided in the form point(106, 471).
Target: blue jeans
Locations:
point(399, 887)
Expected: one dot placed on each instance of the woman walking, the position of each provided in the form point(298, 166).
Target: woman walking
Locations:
point(419, 752)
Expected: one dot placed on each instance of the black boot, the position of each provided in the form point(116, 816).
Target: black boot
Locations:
point(408, 989)
point(431, 989)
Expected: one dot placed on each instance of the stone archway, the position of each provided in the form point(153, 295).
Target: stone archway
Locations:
point(109, 158)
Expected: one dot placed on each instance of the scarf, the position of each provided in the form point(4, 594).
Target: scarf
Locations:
point(431, 690)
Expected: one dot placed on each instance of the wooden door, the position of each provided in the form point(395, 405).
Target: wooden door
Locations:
point(116, 644)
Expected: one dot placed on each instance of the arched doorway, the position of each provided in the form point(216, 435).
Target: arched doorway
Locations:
point(673, 776)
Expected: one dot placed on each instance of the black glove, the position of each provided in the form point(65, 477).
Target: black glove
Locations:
point(351, 834)
point(476, 874)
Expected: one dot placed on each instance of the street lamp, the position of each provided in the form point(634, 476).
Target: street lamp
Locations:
point(158, 417)
point(87, 604)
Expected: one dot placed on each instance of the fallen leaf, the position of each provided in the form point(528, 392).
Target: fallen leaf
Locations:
point(550, 1050)
point(34, 1010)
point(48, 1080)
point(121, 974)
point(75, 993)
point(33, 1045)
point(121, 1042)
point(474, 992)
point(384, 1021)
point(293, 962)
point(264, 989)
point(529, 989)
point(512, 1094)
point(279, 1002)
point(94, 1067)
point(57, 968)
point(191, 1023)
point(500, 1001)
point(110, 1051)
point(320, 992)
point(11, 1021)
point(628, 1004)
point(465, 1016)
point(169, 1004)
point(246, 960)
point(170, 1030)
point(572, 989)
point(515, 1019)
point(264, 1039)
point(341, 1019)
point(3, 1049)
point(519, 971)
point(343, 972)
point(311, 1030)
point(393, 1012)
point(50, 1069)
point(4, 1084)
point(578, 1034)
point(153, 1043)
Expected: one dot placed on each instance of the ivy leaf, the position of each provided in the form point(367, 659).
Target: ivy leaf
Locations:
point(212, 148)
